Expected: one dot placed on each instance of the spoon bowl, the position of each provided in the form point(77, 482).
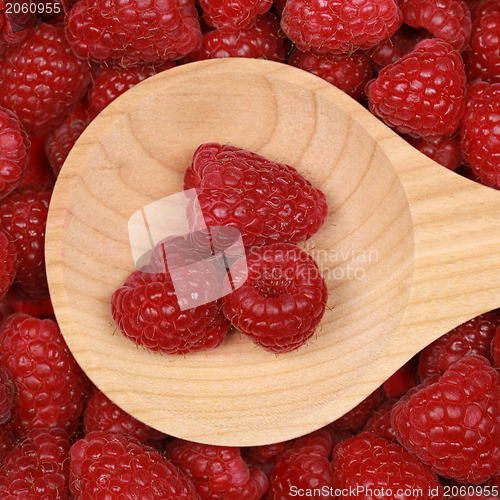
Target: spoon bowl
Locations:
point(409, 249)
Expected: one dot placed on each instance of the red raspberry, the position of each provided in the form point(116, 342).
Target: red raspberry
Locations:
point(13, 152)
point(262, 40)
point(495, 349)
point(264, 453)
point(257, 196)
point(8, 258)
point(37, 467)
point(234, 15)
point(482, 56)
point(448, 20)
point(393, 49)
point(339, 25)
point(305, 465)
point(369, 463)
point(101, 414)
point(480, 133)
point(46, 374)
point(402, 380)
point(453, 424)
point(23, 215)
point(7, 440)
point(10, 37)
point(147, 311)
point(349, 72)
point(282, 301)
point(379, 422)
point(39, 172)
point(19, 303)
point(278, 6)
point(8, 390)
point(423, 93)
point(62, 140)
point(217, 472)
point(110, 82)
point(107, 465)
point(133, 31)
point(444, 149)
point(42, 79)
point(355, 419)
point(472, 337)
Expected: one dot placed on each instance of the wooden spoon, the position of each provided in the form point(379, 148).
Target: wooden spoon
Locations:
point(409, 250)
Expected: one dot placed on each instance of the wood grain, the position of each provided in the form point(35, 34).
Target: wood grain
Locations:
point(409, 249)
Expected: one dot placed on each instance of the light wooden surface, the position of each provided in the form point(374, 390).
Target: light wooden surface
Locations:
point(409, 249)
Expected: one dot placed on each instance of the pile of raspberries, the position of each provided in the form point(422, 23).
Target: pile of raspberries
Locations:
point(430, 69)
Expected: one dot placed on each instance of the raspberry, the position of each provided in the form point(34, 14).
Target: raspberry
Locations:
point(9, 37)
point(495, 349)
point(147, 311)
point(453, 424)
point(379, 422)
point(37, 467)
point(101, 414)
point(283, 299)
point(402, 380)
point(448, 20)
point(217, 472)
point(479, 133)
point(423, 93)
point(107, 465)
point(306, 465)
point(7, 441)
point(339, 25)
point(13, 152)
point(8, 390)
point(266, 201)
point(264, 453)
point(132, 31)
point(39, 172)
point(355, 419)
point(369, 463)
point(19, 303)
point(47, 376)
point(482, 57)
point(8, 257)
point(444, 149)
point(472, 337)
point(110, 82)
point(234, 15)
point(349, 72)
point(262, 40)
point(42, 79)
point(23, 215)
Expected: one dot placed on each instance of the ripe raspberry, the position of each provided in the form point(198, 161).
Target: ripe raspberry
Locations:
point(283, 299)
point(355, 419)
point(472, 337)
point(42, 79)
point(131, 31)
point(264, 453)
point(147, 312)
point(46, 374)
point(402, 380)
point(37, 467)
point(23, 215)
point(7, 440)
point(482, 57)
point(305, 465)
point(480, 133)
point(39, 172)
point(217, 472)
point(10, 34)
point(453, 424)
point(339, 25)
point(8, 390)
point(19, 303)
point(379, 422)
point(368, 463)
point(349, 72)
point(8, 258)
point(234, 15)
point(13, 152)
point(257, 196)
point(448, 20)
point(110, 82)
point(262, 40)
point(495, 349)
point(423, 93)
point(108, 465)
point(444, 149)
point(101, 414)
